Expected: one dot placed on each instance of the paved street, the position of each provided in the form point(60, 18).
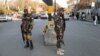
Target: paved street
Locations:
point(81, 39)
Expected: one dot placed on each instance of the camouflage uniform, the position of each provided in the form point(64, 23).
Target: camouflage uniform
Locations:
point(27, 26)
point(59, 28)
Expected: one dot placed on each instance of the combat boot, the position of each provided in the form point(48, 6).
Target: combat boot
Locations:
point(27, 44)
point(31, 45)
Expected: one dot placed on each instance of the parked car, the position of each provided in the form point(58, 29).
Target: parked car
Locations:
point(5, 18)
point(66, 16)
point(43, 15)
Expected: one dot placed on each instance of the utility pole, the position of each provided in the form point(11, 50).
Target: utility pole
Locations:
point(55, 8)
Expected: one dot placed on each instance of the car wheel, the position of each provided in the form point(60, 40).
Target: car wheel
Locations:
point(5, 20)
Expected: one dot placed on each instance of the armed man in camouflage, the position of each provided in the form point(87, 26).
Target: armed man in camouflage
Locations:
point(27, 26)
point(59, 29)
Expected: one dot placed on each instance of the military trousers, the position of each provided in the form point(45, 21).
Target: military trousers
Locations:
point(59, 36)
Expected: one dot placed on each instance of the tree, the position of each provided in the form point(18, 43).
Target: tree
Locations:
point(85, 3)
point(71, 6)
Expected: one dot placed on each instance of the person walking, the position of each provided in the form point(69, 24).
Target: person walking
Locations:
point(94, 16)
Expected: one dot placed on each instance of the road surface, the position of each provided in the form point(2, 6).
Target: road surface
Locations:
point(81, 39)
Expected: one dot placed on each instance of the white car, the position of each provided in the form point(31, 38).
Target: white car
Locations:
point(5, 18)
point(43, 15)
point(66, 16)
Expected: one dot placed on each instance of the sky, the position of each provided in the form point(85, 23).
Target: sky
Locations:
point(62, 3)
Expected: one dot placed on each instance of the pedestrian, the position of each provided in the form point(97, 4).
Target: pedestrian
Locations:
point(27, 26)
point(59, 29)
point(94, 16)
point(77, 15)
point(95, 21)
point(98, 15)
